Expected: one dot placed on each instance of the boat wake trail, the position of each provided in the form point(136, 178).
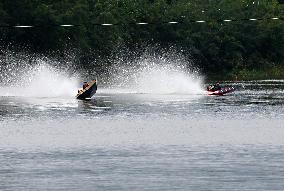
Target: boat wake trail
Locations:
point(167, 80)
point(155, 75)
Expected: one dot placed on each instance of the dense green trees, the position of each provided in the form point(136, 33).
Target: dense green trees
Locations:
point(218, 47)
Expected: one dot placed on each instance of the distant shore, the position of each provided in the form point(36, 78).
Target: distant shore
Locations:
point(275, 72)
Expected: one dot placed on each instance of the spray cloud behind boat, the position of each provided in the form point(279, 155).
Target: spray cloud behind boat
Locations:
point(31, 75)
point(153, 72)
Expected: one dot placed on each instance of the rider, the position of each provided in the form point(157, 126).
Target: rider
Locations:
point(217, 86)
point(85, 85)
point(214, 87)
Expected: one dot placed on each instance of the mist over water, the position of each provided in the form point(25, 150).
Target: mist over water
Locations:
point(132, 132)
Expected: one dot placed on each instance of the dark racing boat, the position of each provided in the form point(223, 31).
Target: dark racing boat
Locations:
point(89, 89)
point(221, 91)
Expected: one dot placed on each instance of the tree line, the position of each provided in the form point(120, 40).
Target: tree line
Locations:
point(231, 49)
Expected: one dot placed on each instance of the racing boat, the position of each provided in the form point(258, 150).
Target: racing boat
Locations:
point(88, 90)
point(221, 91)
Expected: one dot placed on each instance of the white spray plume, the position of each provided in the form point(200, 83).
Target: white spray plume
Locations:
point(40, 80)
point(155, 75)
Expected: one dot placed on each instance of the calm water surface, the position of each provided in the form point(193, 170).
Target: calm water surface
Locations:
point(128, 141)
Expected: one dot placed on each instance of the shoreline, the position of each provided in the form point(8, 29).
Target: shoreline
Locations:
point(272, 73)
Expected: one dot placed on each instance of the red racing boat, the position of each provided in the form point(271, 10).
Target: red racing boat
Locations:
point(221, 91)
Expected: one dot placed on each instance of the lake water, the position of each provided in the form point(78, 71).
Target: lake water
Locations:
point(123, 140)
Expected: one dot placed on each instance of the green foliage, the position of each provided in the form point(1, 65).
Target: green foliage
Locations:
point(219, 48)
